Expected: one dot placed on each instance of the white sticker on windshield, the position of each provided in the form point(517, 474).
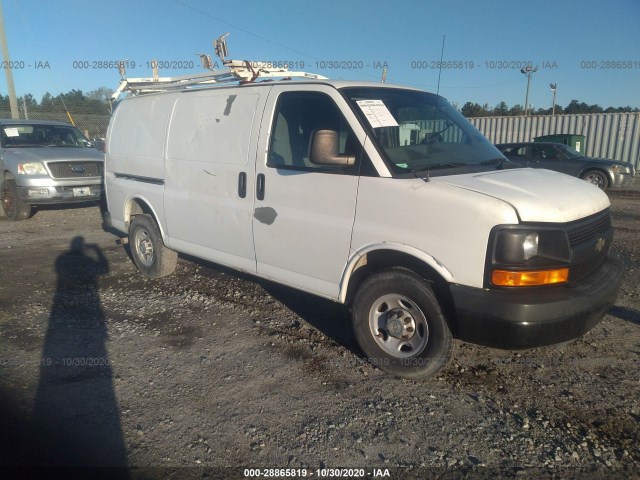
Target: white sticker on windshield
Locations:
point(377, 113)
point(11, 132)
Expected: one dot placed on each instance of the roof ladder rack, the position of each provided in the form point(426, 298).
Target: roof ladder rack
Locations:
point(236, 71)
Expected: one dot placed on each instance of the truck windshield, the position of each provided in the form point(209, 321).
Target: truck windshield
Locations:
point(420, 132)
point(42, 135)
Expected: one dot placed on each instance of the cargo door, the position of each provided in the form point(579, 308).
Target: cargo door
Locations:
point(210, 175)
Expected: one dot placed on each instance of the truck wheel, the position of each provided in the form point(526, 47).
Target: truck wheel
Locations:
point(399, 325)
point(147, 248)
point(14, 207)
point(597, 178)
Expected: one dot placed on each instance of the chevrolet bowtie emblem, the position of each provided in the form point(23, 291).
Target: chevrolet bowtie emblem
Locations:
point(600, 244)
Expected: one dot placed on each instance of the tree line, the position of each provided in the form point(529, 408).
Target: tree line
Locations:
point(74, 101)
point(97, 102)
point(471, 109)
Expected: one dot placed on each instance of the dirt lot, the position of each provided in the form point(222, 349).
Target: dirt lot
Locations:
point(206, 373)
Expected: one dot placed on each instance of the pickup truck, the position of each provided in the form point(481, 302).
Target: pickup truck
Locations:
point(44, 162)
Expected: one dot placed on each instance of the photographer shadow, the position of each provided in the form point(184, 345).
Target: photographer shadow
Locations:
point(76, 415)
point(329, 317)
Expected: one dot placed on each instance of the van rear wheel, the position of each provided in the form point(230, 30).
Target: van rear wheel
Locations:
point(399, 325)
point(149, 253)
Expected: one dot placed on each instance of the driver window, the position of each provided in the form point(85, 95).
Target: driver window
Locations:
point(297, 116)
point(536, 153)
point(548, 153)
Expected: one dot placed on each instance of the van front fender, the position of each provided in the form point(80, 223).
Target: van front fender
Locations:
point(358, 258)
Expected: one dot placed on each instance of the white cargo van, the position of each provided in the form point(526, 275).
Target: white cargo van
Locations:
point(381, 197)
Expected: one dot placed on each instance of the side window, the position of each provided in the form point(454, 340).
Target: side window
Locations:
point(546, 153)
point(515, 152)
point(297, 116)
point(536, 153)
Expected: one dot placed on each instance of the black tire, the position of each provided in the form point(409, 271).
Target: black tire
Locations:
point(597, 178)
point(148, 250)
point(14, 207)
point(399, 325)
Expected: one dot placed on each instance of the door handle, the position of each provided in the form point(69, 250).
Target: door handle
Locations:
point(260, 186)
point(242, 185)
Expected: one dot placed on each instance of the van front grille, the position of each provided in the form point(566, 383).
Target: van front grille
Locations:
point(589, 228)
point(586, 268)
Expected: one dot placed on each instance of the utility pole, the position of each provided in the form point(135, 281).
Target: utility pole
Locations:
point(11, 89)
point(554, 87)
point(528, 71)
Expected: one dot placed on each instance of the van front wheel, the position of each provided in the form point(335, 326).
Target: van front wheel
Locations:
point(399, 325)
point(148, 250)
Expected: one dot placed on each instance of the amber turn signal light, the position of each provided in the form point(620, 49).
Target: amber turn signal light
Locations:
point(529, 278)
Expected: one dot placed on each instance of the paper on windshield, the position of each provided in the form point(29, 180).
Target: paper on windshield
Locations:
point(377, 113)
point(11, 132)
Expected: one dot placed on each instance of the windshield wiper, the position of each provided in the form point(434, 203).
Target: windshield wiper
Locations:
point(429, 166)
point(498, 161)
point(435, 137)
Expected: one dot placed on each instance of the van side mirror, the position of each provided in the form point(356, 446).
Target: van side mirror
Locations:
point(323, 150)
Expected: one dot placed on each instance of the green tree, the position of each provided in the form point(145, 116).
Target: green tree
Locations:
point(516, 110)
point(501, 109)
point(102, 94)
point(470, 109)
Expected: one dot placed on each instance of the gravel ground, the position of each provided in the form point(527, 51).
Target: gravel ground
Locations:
point(207, 372)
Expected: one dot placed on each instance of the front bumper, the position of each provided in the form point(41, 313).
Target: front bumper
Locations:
point(622, 179)
point(47, 194)
point(512, 319)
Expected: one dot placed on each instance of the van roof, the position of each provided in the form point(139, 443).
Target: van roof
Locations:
point(337, 84)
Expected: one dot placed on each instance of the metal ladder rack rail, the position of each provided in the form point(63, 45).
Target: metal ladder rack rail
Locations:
point(237, 71)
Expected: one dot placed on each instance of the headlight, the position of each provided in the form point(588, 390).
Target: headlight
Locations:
point(35, 168)
point(527, 256)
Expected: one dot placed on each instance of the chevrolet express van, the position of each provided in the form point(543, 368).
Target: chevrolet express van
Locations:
point(377, 196)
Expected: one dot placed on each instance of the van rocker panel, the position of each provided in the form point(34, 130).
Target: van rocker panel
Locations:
point(511, 319)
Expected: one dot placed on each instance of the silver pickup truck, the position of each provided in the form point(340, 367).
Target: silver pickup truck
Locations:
point(46, 162)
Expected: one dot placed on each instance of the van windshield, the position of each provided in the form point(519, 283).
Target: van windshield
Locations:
point(419, 132)
point(42, 135)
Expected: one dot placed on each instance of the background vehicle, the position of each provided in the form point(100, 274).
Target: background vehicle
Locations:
point(46, 162)
point(555, 156)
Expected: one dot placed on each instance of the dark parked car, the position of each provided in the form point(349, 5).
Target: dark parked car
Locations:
point(561, 158)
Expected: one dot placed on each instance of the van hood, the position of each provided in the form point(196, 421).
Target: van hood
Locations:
point(43, 154)
point(537, 195)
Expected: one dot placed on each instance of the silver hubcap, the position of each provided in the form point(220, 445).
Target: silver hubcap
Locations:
point(595, 179)
point(144, 247)
point(398, 326)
